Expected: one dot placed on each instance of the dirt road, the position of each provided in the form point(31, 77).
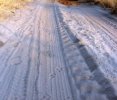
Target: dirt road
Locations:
point(43, 55)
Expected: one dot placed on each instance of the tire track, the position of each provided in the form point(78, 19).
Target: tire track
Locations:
point(9, 51)
point(103, 83)
point(7, 67)
point(97, 45)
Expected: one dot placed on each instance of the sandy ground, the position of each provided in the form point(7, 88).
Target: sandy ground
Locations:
point(52, 52)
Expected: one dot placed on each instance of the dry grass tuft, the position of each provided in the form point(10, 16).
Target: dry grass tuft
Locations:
point(8, 7)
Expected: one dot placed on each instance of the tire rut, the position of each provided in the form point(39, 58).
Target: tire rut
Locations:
point(104, 84)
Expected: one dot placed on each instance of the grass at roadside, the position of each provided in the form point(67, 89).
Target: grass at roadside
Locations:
point(112, 4)
point(8, 7)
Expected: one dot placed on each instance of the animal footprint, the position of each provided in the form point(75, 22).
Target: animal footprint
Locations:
point(59, 69)
point(52, 75)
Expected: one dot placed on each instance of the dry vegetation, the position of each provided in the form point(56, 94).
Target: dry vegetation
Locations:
point(112, 4)
point(69, 2)
point(8, 7)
